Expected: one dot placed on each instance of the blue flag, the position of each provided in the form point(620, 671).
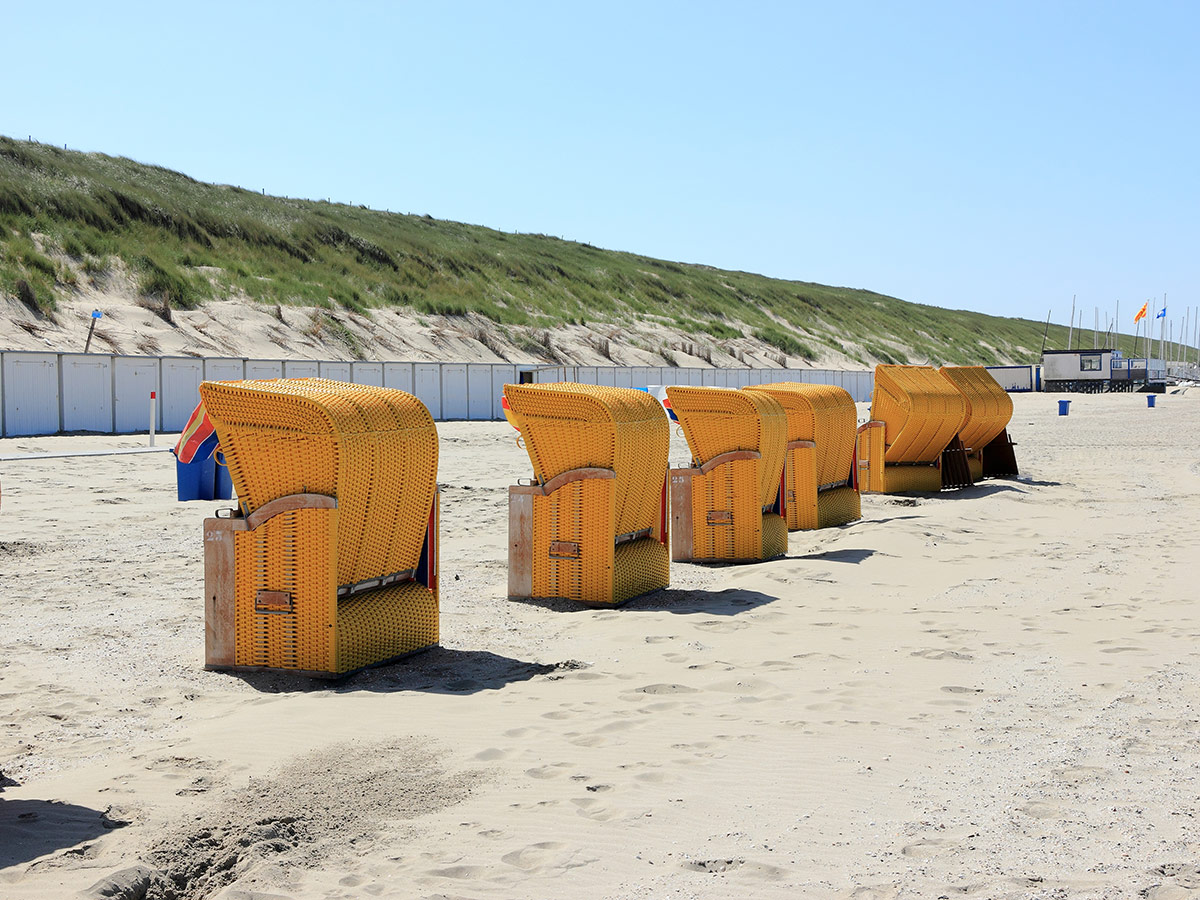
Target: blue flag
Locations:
point(1162, 314)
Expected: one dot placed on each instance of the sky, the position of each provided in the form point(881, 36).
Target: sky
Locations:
point(1000, 157)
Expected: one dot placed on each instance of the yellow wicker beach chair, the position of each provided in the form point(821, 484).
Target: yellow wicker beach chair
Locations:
point(728, 506)
point(331, 563)
point(594, 527)
point(984, 434)
point(819, 473)
point(915, 415)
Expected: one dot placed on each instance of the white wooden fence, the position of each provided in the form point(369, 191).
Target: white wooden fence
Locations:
point(49, 393)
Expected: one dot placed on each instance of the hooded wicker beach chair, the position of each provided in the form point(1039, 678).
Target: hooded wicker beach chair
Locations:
point(984, 434)
point(820, 474)
point(593, 528)
point(330, 563)
point(728, 506)
point(916, 414)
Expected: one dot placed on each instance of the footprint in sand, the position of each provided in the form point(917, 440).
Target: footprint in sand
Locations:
point(591, 808)
point(927, 847)
point(874, 892)
point(1168, 892)
point(1040, 809)
point(720, 626)
point(723, 865)
point(544, 855)
point(935, 653)
point(1080, 774)
point(667, 689)
point(554, 770)
point(1186, 875)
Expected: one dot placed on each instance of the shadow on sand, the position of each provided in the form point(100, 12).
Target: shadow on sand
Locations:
point(33, 828)
point(438, 670)
point(846, 556)
point(728, 602)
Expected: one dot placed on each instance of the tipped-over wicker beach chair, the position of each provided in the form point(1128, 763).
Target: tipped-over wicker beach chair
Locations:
point(728, 506)
point(820, 474)
point(984, 434)
point(594, 527)
point(915, 415)
point(330, 564)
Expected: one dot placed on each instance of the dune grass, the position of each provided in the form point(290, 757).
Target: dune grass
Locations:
point(188, 242)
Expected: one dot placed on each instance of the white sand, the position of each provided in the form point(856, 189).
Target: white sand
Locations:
point(985, 693)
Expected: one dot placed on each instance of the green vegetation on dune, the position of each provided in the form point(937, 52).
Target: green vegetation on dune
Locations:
point(188, 242)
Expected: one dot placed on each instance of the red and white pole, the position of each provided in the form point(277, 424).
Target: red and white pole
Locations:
point(153, 416)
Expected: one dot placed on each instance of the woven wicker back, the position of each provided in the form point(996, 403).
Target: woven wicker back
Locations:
point(721, 420)
point(574, 426)
point(374, 449)
point(989, 408)
point(922, 410)
point(824, 414)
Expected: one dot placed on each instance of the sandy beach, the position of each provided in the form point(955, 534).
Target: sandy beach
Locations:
point(992, 692)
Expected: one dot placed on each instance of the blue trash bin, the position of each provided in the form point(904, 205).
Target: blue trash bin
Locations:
point(196, 480)
point(1064, 407)
point(1150, 398)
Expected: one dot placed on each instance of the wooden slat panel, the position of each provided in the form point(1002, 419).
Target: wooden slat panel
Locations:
point(520, 542)
point(219, 633)
point(681, 513)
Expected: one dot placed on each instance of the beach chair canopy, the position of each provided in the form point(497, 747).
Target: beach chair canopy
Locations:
point(922, 412)
point(569, 426)
point(373, 449)
point(724, 420)
point(989, 408)
point(821, 413)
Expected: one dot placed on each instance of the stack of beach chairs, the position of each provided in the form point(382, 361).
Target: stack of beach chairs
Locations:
point(329, 564)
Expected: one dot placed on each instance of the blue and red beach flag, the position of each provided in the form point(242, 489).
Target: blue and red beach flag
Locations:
point(199, 438)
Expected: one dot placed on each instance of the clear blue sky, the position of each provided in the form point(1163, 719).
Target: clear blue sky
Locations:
point(990, 156)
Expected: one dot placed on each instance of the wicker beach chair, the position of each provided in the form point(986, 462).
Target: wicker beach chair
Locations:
point(330, 564)
point(593, 528)
point(820, 475)
point(984, 434)
point(916, 414)
point(728, 506)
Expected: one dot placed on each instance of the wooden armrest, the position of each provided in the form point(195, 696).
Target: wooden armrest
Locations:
point(797, 445)
point(874, 423)
point(572, 475)
point(286, 504)
point(731, 456)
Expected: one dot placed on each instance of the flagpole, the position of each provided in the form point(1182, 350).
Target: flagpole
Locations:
point(1162, 330)
point(1071, 327)
point(1146, 340)
point(1117, 324)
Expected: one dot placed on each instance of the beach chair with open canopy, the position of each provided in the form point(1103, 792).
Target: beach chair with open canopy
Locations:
point(984, 433)
point(330, 563)
point(916, 414)
point(593, 528)
point(728, 506)
point(820, 477)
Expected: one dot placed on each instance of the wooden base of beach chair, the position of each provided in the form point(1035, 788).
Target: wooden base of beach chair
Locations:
point(561, 543)
point(956, 470)
point(711, 521)
point(314, 627)
point(999, 457)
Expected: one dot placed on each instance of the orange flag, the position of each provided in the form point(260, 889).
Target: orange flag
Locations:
point(1141, 313)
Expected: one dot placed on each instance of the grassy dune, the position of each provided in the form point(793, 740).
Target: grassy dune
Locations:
point(67, 216)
